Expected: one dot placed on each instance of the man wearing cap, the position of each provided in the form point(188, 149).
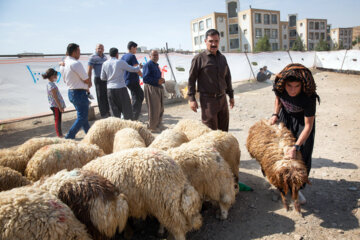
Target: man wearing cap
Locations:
point(212, 74)
point(95, 63)
point(113, 72)
point(132, 80)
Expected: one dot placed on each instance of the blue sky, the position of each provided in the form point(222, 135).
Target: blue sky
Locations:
point(47, 26)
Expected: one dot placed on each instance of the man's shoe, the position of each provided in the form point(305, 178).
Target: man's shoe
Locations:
point(301, 198)
point(90, 96)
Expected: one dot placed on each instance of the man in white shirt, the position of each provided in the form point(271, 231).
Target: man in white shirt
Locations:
point(118, 97)
point(78, 82)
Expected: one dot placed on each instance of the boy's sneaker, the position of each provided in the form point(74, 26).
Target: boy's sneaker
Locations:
point(301, 198)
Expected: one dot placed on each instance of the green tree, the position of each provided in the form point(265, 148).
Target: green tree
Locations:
point(322, 46)
point(356, 41)
point(298, 45)
point(263, 45)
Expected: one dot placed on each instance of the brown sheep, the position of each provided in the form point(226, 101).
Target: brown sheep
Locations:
point(268, 144)
point(95, 201)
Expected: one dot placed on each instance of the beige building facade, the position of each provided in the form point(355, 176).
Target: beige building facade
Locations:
point(311, 31)
point(341, 37)
point(284, 35)
point(200, 25)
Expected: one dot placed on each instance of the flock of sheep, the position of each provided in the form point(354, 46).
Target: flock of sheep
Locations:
point(52, 188)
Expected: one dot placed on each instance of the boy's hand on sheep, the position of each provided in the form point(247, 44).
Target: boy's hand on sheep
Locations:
point(291, 153)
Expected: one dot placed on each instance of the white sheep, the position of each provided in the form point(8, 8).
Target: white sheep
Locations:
point(191, 128)
point(268, 144)
point(17, 158)
point(226, 144)
point(102, 132)
point(32, 214)
point(171, 89)
point(53, 158)
point(154, 185)
point(208, 173)
point(94, 200)
point(169, 138)
point(9, 179)
point(127, 138)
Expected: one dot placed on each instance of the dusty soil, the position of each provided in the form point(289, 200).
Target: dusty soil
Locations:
point(333, 200)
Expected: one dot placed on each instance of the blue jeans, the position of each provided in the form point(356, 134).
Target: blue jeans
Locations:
point(80, 101)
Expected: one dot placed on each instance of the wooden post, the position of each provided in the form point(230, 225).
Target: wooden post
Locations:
point(290, 56)
point(343, 60)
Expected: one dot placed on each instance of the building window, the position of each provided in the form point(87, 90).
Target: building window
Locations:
point(311, 36)
point(258, 32)
point(284, 26)
point(274, 46)
point(208, 23)
point(301, 24)
point(195, 27)
point(233, 29)
point(273, 19)
point(201, 25)
point(311, 46)
point(316, 25)
point(292, 21)
point(317, 36)
point(234, 43)
point(322, 25)
point(285, 36)
point(285, 47)
point(322, 36)
point(345, 32)
point(196, 40)
point(341, 32)
point(221, 34)
point(244, 17)
point(267, 32)
point(274, 33)
point(222, 48)
point(245, 31)
point(257, 17)
point(246, 47)
point(292, 33)
point(202, 38)
point(266, 19)
point(220, 19)
point(232, 7)
point(311, 25)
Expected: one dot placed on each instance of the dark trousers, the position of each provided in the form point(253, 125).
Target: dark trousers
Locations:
point(79, 99)
point(119, 102)
point(57, 118)
point(137, 98)
point(155, 102)
point(101, 95)
point(215, 112)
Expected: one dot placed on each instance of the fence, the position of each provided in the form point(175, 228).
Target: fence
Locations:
point(23, 91)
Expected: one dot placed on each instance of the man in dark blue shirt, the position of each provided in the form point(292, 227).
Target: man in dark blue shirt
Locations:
point(132, 80)
point(154, 92)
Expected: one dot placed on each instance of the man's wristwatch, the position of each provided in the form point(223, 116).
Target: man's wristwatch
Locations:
point(297, 147)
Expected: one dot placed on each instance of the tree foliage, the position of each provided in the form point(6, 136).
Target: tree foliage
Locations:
point(298, 45)
point(322, 46)
point(263, 45)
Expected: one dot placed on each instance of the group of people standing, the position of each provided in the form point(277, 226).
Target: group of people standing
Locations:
point(294, 87)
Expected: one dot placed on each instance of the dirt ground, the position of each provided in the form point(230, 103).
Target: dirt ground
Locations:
point(333, 200)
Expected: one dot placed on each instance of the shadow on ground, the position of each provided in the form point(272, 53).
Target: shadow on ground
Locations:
point(323, 162)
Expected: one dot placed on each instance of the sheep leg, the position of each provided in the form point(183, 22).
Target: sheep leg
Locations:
point(284, 201)
point(161, 231)
point(296, 201)
point(178, 236)
point(224, 210)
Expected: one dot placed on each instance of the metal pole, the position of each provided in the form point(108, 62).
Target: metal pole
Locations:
point(250, 65)
point(343, 60)
point(168, 60)
point(290, 56)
